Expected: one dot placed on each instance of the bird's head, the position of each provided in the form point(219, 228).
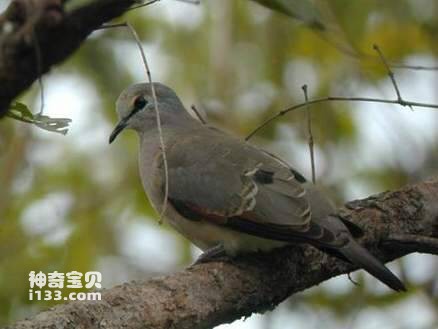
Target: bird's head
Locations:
point(136, 110)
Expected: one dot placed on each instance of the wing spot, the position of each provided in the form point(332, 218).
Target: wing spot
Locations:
point(264, 177)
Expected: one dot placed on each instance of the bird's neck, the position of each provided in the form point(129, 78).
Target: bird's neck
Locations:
point(169, 133)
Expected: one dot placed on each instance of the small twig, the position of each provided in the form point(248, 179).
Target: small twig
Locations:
point(195, 110)
point(110, 26)
point(413, 67)
point(358, 55)
point(143, 4)
point(160, 132)
point(309, 129)
point(390, 73)
point(192, 2)
point(392, 64)
point(399, 100)
point(154, 97)
point(40, 71)
point(338, 99)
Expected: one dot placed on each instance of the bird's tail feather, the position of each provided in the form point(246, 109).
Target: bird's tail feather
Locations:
point(361, 257)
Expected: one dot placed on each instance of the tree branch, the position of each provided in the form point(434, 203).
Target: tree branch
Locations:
point(338, 99)
point(209, 294)
point(58, 34)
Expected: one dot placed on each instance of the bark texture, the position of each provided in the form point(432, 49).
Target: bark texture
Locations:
point(37, 34)
point(394, 223)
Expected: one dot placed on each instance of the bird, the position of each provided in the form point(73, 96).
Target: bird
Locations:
point(227, 196)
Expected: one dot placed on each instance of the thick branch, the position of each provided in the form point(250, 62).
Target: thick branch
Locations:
point(395, 224)
point(57, 34)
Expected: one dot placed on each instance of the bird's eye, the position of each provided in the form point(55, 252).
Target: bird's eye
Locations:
point(139, 103)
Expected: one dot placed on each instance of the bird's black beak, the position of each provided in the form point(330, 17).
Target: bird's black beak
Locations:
point(118, 129)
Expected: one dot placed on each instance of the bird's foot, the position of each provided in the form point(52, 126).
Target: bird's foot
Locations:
point(215, 253)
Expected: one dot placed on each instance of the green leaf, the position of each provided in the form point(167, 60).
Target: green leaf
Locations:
point(303, 10)
point(57, 125)
point(21, 112)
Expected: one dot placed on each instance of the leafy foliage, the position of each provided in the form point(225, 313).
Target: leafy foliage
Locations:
point(21, 112)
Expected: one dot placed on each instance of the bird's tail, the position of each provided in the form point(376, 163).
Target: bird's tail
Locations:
point(361, 257)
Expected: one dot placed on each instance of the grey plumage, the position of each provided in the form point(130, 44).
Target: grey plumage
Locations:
point(227, 192)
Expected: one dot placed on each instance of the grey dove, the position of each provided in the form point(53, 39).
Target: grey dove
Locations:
point(226, 195)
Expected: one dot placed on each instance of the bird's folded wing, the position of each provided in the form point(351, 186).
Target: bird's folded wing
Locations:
point(246, 190)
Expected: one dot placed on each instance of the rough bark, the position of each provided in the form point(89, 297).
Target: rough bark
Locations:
point(37, 34)
point(395, 224)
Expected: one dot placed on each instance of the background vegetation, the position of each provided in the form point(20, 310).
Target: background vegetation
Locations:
point(74, 203)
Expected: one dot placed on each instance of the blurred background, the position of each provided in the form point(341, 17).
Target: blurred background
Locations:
point(75, 203)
